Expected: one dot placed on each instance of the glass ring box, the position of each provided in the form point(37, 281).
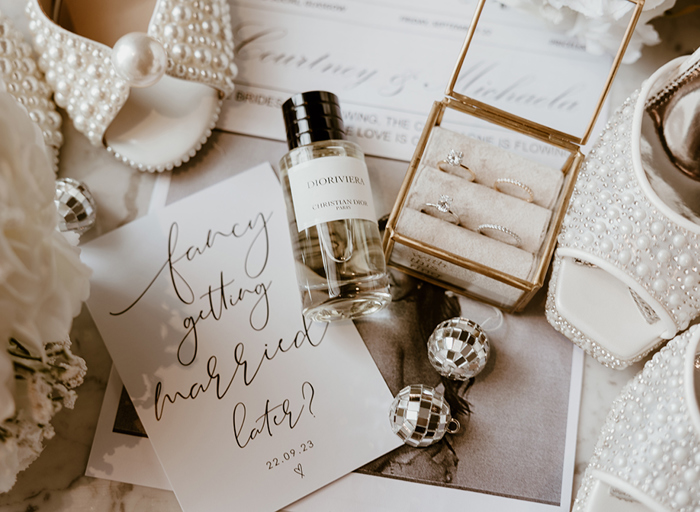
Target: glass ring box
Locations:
point(487, 188)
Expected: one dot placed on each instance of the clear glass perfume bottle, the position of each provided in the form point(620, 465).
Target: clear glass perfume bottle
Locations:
point(339, 261)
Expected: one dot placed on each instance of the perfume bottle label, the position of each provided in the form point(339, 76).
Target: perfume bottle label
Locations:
point(330, 188)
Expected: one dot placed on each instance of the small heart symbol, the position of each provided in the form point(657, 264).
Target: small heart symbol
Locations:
point(299, 470)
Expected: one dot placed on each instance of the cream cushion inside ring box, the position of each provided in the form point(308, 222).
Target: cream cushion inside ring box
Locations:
point(463, 242)
point(490, 163)
point(476, 204)
point(470, 281)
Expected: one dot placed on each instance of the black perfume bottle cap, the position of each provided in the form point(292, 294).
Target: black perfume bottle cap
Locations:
point(312, 117)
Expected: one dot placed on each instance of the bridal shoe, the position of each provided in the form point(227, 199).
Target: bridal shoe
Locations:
point(647, 457)
point(144, 78)
point(625, 271)
point(21, 78)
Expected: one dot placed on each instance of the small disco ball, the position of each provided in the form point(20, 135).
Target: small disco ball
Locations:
point(458, 348)
point(77, 210)
point(420, 416)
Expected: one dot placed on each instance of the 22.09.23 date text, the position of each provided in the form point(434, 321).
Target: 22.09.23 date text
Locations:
point(289, 455)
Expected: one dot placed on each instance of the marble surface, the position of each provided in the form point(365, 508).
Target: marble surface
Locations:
point(56, 482)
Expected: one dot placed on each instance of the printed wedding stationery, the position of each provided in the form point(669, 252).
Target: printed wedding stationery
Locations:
point(247, 407)
point(389, 61)
point(525, 404)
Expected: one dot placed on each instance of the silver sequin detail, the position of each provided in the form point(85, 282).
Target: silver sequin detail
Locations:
point(584, 263)
point(645, 309)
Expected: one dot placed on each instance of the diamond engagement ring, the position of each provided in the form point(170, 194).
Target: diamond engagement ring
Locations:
point(498, 186)
point(494, 229)
point(452, 160)
point(443, 207)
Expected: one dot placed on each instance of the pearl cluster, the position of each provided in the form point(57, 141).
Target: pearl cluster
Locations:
point(198, 40)
point(611, 218)
point(25, 82)
point(651, 437)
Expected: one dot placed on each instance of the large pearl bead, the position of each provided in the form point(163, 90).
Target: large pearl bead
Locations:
point(139, 59)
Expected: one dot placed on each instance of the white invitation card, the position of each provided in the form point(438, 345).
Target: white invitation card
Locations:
point(389, 61)
point(247, 406)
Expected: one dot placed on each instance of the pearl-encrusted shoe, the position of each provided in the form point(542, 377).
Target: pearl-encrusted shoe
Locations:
point(648, 454)
point(625, 272)
point(149, 91)
point(20, 77)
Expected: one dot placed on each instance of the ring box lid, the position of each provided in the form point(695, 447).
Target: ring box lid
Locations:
point(511, 97)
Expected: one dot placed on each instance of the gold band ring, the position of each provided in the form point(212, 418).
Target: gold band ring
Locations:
point(497, 185)
point(490, 229)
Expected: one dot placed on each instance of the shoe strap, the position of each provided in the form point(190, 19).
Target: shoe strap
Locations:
point(196, 36)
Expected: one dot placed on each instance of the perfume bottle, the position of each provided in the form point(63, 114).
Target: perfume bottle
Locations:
point(337, 248)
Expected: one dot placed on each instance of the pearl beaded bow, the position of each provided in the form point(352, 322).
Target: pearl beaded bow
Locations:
point(196, 36)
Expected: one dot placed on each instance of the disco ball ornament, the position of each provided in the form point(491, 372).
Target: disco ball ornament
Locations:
point(458, 348)
point(420, 416)
point(77, 210)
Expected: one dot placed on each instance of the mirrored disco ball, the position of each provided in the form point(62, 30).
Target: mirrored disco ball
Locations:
point(420, 416)
point(77, 210)
point(458, 348)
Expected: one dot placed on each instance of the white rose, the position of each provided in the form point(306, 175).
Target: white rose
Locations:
point(42, 280)
point(599, 24)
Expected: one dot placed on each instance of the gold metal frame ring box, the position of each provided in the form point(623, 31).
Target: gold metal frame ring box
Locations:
point(482, 219)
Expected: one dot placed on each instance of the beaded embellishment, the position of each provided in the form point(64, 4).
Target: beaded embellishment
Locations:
point(25, 82)
point(651, 437)
point(612, 218)
point(196, 35)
